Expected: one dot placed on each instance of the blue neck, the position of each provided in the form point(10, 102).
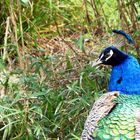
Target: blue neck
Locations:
point(125, 77)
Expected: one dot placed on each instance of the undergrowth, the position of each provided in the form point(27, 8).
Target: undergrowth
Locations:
point(37, 106)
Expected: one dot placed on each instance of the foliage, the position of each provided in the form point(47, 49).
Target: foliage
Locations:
point(32, 109)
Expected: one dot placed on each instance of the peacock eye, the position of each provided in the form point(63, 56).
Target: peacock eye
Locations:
point(107, 55)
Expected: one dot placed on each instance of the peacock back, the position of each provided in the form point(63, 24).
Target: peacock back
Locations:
point(119, 124)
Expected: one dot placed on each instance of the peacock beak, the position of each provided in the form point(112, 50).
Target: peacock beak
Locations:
point(95, 63)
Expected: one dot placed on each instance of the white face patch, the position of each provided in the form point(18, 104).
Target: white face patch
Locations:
point(101, 56)
point(110, 55)
point(99, 59)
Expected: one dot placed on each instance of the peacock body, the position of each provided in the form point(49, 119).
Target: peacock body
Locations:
point(116, 116)
point(119, 123)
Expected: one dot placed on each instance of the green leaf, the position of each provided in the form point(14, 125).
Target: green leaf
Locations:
point(2, 66)
point(68, 63)
point(80, 43)
point(25, 1)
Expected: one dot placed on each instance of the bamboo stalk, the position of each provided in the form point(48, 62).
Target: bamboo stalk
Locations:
point(6, 38)
point(13, 20)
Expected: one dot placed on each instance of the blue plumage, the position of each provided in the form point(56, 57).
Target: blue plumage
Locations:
point(117, 116)
point(127, 36)
point(125, 77)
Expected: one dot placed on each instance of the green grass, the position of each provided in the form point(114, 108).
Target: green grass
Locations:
point(33, 109)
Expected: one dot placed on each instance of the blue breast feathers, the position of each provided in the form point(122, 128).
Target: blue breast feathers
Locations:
point(125, 77)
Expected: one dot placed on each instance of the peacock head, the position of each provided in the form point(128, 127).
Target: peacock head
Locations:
point(110, 56)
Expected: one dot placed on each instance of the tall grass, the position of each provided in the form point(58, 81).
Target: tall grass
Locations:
point(37, 106)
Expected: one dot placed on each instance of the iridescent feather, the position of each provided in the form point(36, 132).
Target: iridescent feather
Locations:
point(113, 117)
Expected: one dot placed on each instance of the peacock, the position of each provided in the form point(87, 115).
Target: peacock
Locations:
point(116, 114)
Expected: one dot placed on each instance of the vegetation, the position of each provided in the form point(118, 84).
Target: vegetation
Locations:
point(47, 85)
